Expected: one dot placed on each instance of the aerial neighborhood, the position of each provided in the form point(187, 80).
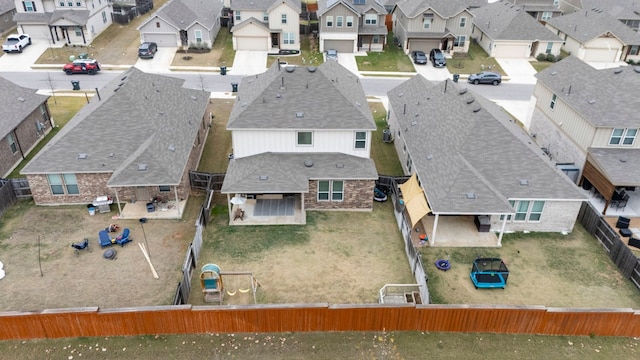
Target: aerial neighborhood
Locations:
point(297, 154)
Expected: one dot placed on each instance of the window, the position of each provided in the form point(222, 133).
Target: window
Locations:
point(339, 21)
point(55, 183)
point(198, 34)
point(71, 184)
point(361, 140)
point(536, 211)
point(546, 15)
point(62, 3)
point(512, 203)
point(329, 21)
point(549, 47)
point(623, 136)
point(552, 105)
point(29, 6)
point(459, 41)
point(12, 143)
point(237, 15)
point(78, 31)
point(409, 163)
point(265, 17)
point(164, 188)
point(463, 22)
point(426, 23)
point(371, 19)
point(527, 210)
point(289, 38)
point(70, 3)
point(556, 2)
point(157, 24)
point(305, 138)
point(349, 21)
point(78, 3)
point(634, 50)
point(376, 39)
point(330, 190)
point(104, 17)
point(284, 18)
point(521, 210)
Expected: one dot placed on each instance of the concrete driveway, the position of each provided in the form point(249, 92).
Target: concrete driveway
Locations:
point(23, 61)
point(348, 60)
point(519, 71)
point(432, 73)
point(160, 62)
point(249, 62)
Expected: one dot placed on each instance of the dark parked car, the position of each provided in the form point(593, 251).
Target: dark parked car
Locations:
point(485, 77)
point(147, 50)
point(437, 58)
point(419, 57)
point(332, 54)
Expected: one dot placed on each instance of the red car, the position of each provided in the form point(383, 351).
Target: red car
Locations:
point(82, 66)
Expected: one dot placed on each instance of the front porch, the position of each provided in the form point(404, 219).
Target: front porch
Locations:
point(452, 231)
point(279, 211)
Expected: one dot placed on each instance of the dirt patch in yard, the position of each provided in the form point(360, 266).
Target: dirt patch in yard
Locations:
point(78, 279)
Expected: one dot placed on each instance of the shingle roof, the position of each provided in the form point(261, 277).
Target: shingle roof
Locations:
point(184, 13)
point(324, 5)
point(138, 118)
point(288, 172)
point(620, 9)
point(621, 165)
point(17, 103)
point(79, 17)
point(503, 21)
point(587, 25)
point(32, 18)
point(444, 8)
point(262, 4)
point(605, 98)
point(459, 146)
point(329, 96)
point(6, 5)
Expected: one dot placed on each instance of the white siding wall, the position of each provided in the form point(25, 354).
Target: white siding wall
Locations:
point(292, 25)
point(611, 44)
point(245, 14)
point(602, 136)
point(252, 142)
point(47, 5)
point(164, 28)
point(206, 35)
point(96, 24)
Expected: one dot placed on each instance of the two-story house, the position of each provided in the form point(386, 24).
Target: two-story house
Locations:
point(25, 121)
point(596, 36)
point(589, 118)
point(505, 30)
point(352, 25)
point(477, 167)
point(69, 21)
point(626, 11)
point(428, 24)
point(7, 11)
point(269, 25)
point(301, 141)
point(541, 10)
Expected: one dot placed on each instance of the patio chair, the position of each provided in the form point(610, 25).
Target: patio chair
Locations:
point(123, 238)
point(104, 238)
point(622, 203)
point(623, 222)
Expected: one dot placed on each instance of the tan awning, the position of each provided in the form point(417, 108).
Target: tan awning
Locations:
point(415, 200)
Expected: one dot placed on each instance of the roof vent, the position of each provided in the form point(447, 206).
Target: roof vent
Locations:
point(308, 163)
point(400, 94)
point(470, 195)
point(592, 101)
point(312, 69)
point(462, 92)
point(299, 114)
point(617, 71)
point(82, 156)
point(278, 96)
point(429, 157)
point(523, 182)
point(623, 160)
point(553, 73)
point(290, 69)
point(414, 123)
point(194, 98)
point(123, 78)
point(142, 167)
point(340, 165)
point(264, 177)
point(112, 155)
point(477, 109)
point(358, 104)
point(172, 148)
point(21, 99)
point(470, 100)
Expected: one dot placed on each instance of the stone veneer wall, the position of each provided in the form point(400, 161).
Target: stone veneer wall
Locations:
point(358, 195)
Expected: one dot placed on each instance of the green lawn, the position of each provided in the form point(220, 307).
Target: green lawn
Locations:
point(309, 54)
point(62, 109)
point(391, 59)
point(383, 154)
point(472, 62)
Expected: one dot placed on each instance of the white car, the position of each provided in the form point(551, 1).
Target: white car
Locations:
point(332, 54)
point(15, 43)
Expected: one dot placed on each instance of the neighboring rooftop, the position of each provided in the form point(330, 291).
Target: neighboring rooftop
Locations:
point(17, 103)
point(587, 25)
point(444, 8)
point(502, 20)
point(262, 4)
point(182, 14)
point(357, 6)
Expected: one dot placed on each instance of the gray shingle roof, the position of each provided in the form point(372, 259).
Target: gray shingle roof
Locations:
point(287, 172)
point(605, 98)
point(330, 96)
point(444, 8)
point(184, 13)
point(459, 147)
point(17, 103)
point(620, 9)
point(138, 119)
point(376, 5)
point(262, 4)
point(6, 5)
point(32, 18)
point(503, 21)
point(621, 166)
point(587, 25)
point(79, 17)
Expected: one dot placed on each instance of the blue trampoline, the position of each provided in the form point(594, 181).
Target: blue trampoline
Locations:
point(489, 273)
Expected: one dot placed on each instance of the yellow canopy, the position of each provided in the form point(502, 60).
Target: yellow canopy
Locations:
point(414, 199)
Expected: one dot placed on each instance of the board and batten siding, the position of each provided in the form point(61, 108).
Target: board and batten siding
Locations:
point(247, 14)
point(416, 24)
point(292, 25)
point(339, 10)
point(151, 27)
point(603, 135)
point(252, 142)
point(206, 35)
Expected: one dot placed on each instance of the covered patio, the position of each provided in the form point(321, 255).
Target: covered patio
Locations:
point(267, 209)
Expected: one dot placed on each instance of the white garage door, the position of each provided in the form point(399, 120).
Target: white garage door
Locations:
point(343, 46)
point(251, 43)
point(37, 32)
point(163, 40)
point(423, 45)
point(517, 51)
point(600, 55)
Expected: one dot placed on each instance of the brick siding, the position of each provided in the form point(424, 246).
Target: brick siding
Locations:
point(26, 137)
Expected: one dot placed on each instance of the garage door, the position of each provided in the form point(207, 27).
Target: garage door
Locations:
point(518, 51)
point(423, 45)
point(600, 55)
point(344, 46)
point(163, 40)
point(251, 43)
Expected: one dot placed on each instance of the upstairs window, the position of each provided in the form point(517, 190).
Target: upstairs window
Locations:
point(552, 104)
point(361, 140)
point(463, 22)
point(284, 18)
point(265, 17)
point(29, 6)
point(349, 21)
point(339, 21)
point(426, 23)
point(329, 21)
point(305, 138)
point(237, 15)
point(12, 143)
point(623, 136)
point(371, 19)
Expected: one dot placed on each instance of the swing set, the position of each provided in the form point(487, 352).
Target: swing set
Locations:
point(213, 286)
point(238, 275)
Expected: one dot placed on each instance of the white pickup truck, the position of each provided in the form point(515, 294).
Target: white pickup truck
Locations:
point(16, 42)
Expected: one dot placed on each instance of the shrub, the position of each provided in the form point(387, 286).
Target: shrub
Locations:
point(541, 57)
point(551, 58)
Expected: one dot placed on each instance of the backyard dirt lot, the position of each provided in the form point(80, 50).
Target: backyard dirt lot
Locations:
point(69, 279)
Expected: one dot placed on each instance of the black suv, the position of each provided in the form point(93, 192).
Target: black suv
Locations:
point(147, 50)
point(437, 58)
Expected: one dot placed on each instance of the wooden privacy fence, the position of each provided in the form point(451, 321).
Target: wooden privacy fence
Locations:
point(187, 319)
point(7, 196)
point(619, 252)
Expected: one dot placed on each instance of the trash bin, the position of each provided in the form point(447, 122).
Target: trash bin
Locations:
point(75, 84)
point(223, 70)
point(234, 87)
point(456, 77)
point(83, 56)
point(92, 209)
